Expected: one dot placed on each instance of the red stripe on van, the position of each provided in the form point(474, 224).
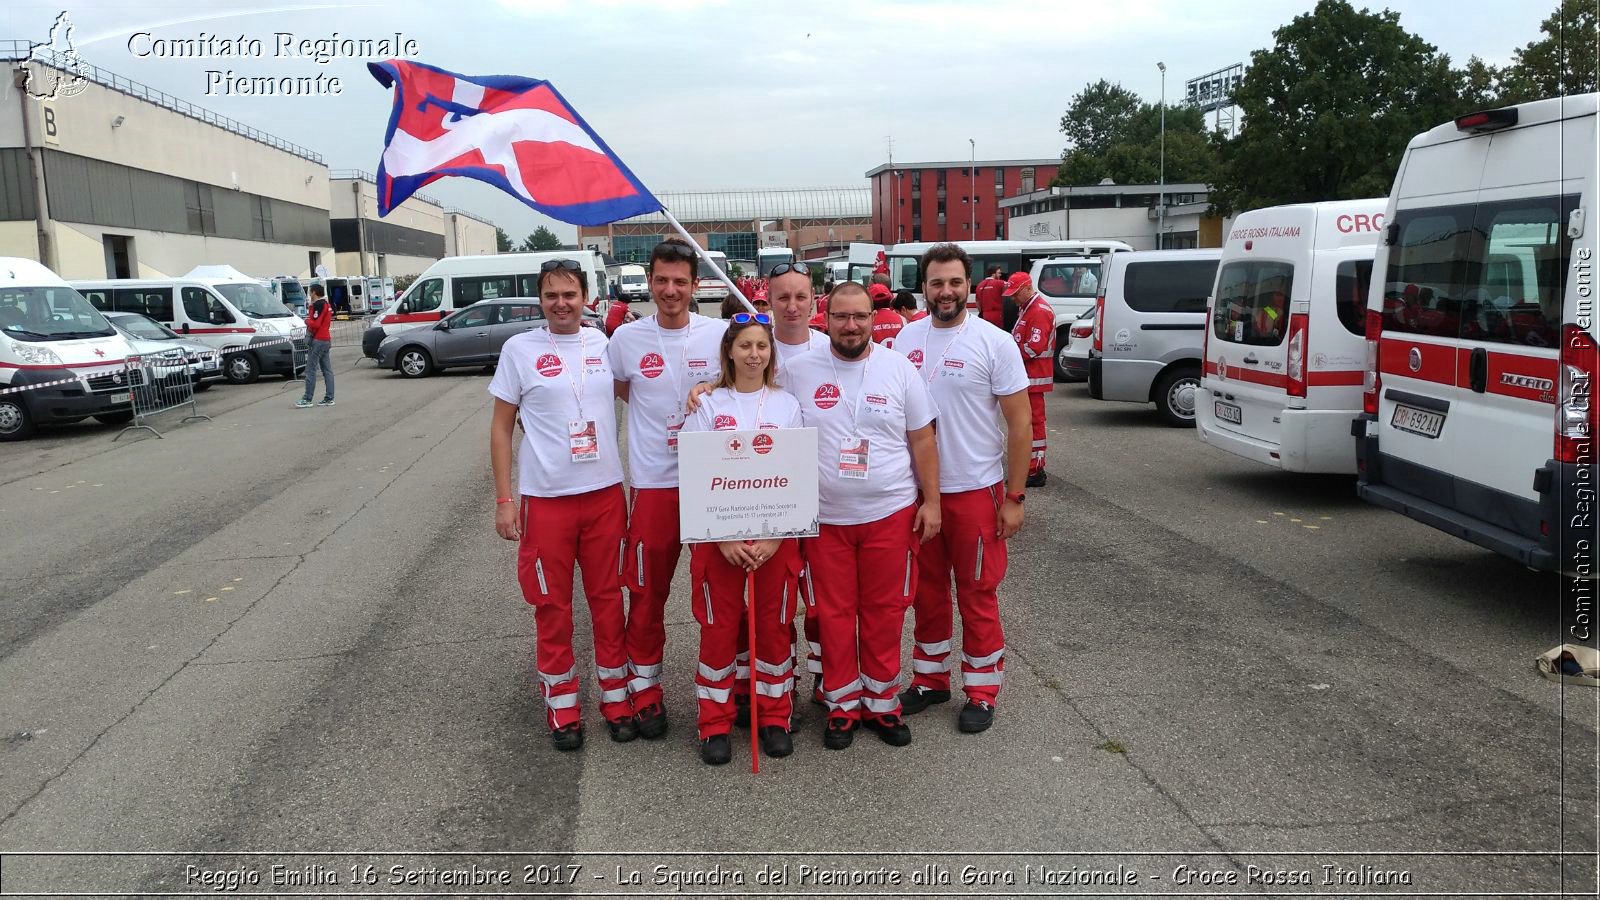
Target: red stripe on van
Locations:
point(1249, 376)
point(401, 318)
point(193, 330)
point(1513, 375)
point(1337, 378)
point(1438, 361)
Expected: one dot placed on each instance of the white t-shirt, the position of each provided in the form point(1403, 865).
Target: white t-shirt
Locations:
point(725, 409)
point(816, 342)
point(968, 369)
point(660, 366)
point(878, 398)
point(544, 374)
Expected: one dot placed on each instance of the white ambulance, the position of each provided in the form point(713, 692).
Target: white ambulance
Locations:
point(1285, 344)
point(60, 360)
point(1481, 335)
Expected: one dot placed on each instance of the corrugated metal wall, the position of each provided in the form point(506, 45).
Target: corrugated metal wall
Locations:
point(16, 191)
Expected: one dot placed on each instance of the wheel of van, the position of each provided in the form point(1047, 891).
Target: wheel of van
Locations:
point(15, 423)
point(241, 368)
point(414, 362)
point(117, 418)
point(1176, 394)
point(1063, 338)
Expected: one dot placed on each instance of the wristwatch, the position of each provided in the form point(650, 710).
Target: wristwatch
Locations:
point(1018, 497)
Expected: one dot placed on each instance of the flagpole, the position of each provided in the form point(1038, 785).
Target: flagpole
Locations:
point(700, 252)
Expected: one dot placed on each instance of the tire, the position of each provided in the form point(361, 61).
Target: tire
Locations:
point(1175, 394)
point(1063, 338)
point(15, 422)
point(413, 362)
point(241, 368)
point(120, 418)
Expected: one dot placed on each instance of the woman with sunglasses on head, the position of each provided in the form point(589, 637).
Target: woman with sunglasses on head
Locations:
point(746, 398)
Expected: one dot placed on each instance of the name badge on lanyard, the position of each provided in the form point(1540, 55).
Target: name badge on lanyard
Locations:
point(583, 440)
point(674, 425)
point(854, 457)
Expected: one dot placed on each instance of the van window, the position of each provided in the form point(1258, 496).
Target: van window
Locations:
point(1351, 283)
point(1070, 279)
point(1174, 286)
point(468, 291)
point(99, 298)
point(1423, 287)
point(1520, 292)
point(1252, 305)
point(194, 304)
point(426, 297)
point(153, 302)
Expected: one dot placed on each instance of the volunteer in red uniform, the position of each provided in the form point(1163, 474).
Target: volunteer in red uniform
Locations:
point(746, 398)
point(991, 305)
point(886, 323)
point(976, 377)
point(655, 362)
point(905, 306)
point(873, 418)
point(566, 506)
point(1035, 334)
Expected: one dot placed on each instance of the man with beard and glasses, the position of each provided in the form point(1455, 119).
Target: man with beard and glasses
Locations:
point(874, 419)
point(976, 377)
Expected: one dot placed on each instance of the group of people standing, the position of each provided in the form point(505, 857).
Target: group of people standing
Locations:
point(923, 455)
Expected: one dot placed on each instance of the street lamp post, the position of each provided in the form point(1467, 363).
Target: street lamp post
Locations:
point(972, 191)
point(1161, 198)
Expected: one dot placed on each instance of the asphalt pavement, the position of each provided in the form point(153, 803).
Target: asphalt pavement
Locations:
point(295, 632)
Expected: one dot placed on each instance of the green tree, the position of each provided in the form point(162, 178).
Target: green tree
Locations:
point(1329, 109)
point(542, 240)
point(1113, 134)
point(1561, 62)
point(502, 241)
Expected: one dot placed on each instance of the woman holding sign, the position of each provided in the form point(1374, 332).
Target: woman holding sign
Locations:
point(745, 399)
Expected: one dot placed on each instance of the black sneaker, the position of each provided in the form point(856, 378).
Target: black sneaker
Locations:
point(919, 698)
point(892, 729)
point(652, 722)
point(1036, 479)
point(816, 692)
point(623, 730)
point(716, 750)
point(776, 742)
point(568, 737)
point(976, 716)
point(741, 710)
point(839, 733)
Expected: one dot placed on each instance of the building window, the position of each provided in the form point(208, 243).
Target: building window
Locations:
point(916, 180)
point(261, 219)
point(197, 200)
point(999, 182)
point(941, 217)
point(916, 234)
point(999, 229)
point(737, 245)
point(941, 179)
point(634, 248)
point(941, 207)
point(1027, 181)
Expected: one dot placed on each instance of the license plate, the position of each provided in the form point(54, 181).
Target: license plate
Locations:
point(1228, 412)
point(1417, 421)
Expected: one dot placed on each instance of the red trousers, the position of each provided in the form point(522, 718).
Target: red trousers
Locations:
point(802, 590)
point(589, 530)
point(1036, 405)
point(969, 550)
point(719, 607)
point(864, 577)
point(652, 558)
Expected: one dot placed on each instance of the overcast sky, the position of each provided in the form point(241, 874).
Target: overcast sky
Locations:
point(723, 95)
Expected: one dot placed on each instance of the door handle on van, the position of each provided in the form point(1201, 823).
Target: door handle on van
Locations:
point(1478, 370)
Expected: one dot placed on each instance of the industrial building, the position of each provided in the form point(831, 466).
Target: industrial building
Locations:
point(405, 242)
point(1119, 212)
point(950, 201)
point(814, 223)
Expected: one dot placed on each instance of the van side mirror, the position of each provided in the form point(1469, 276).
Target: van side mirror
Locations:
point(405, 307)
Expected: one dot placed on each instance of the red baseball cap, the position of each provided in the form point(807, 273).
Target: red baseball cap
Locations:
point(1016, 282)
point(880, 292)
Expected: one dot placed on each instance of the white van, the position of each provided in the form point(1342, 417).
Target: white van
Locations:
point(1070, 284)
point(1481, 336)
point(1286, 346)
point(710, 289)
point(456, 282)
point(217, 306)
point(632, 283)
point(50, 335)
point(1149, 329)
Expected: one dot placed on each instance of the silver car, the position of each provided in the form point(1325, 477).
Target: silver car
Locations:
point(151, 337)
point(468, 337)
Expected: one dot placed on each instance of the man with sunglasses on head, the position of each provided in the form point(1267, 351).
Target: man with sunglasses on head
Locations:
point(976, 377)
point(655, 362)
point(566, 506)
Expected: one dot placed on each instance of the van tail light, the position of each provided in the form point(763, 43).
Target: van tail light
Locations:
point(1099, 321)
point(1576, 413)
point(1371, 382)
point(1299, 335)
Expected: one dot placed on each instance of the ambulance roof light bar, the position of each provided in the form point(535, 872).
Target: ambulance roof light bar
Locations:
point(1488, 120)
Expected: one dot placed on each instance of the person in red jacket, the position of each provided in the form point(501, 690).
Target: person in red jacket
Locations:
point(1035, 334)
point(990, 305)
point(319, 342)
point(886, 323)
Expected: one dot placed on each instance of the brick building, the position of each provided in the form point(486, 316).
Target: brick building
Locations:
point(950, 201)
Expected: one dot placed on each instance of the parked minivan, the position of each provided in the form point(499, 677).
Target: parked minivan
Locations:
point(1149, 329)
point(50, 335)
point(1478, 414)
point(457, 282)
point(1286, 346)
point(1070, 284)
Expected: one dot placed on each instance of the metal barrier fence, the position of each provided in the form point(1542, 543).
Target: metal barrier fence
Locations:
point(158, 384)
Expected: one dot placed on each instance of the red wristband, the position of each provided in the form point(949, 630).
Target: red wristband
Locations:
point(500, 500)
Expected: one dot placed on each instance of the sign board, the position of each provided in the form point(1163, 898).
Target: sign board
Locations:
point(747, 485)
point(774, 239)
point(1214, 90)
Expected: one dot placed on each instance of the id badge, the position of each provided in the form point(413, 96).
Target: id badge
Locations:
point(674, 425)
point(583, 441)
point(853, 455)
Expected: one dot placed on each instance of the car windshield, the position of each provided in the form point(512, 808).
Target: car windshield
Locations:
point(1079, 278)
point(255, 300)
point(144, 327)
point(633, 279)
point(49, 314)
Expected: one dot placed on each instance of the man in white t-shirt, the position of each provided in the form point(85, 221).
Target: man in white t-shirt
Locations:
point(567, 505)
point(655, 362)
point(977, 378)
point(874, 418)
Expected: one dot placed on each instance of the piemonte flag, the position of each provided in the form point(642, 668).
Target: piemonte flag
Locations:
point(518, 134)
